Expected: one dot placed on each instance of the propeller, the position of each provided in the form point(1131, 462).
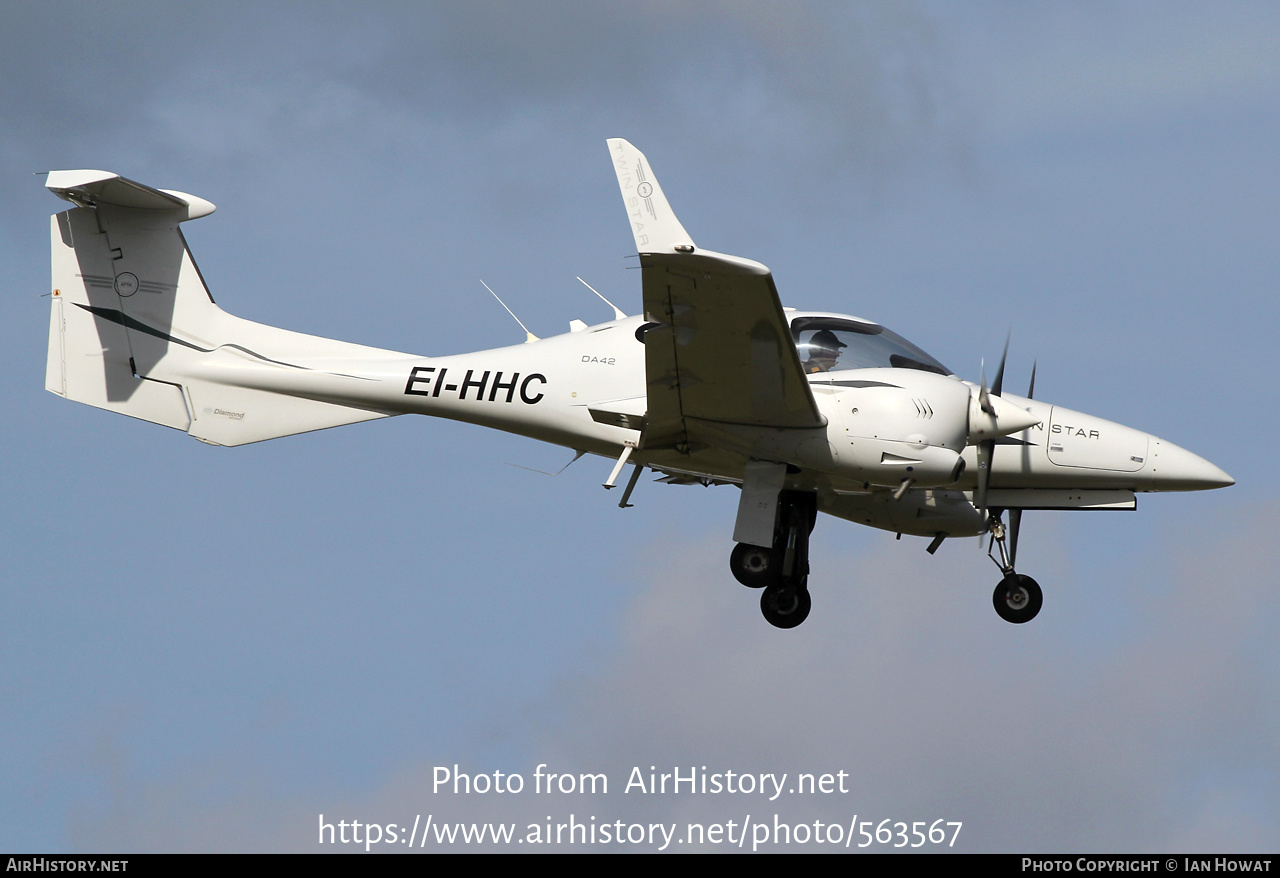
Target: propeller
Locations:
point(1015, 515)
point(990, 417)
point(987, 447)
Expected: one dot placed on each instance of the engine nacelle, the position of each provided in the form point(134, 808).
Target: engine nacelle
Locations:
point(889, 425)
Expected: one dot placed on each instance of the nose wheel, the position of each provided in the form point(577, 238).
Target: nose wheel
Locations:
point(1017, 598)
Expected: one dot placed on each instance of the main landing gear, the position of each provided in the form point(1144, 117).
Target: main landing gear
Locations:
point(782, 569)
point(1017, 597)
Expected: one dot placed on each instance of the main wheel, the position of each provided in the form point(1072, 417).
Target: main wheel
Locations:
point(785, 607)
point(1017, 598)
point(754, 566)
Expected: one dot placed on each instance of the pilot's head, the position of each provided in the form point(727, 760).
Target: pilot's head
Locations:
point(824, 350)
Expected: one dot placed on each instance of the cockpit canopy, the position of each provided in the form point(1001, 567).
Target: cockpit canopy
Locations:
point(831, 344)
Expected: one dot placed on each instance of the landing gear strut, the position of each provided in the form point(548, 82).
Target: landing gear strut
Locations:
point(782, 569)
point(1017, 597)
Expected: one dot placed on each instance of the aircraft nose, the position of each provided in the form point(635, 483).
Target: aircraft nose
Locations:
point(1176, 469)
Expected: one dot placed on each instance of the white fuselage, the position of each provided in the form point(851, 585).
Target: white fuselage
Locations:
point(585, 390)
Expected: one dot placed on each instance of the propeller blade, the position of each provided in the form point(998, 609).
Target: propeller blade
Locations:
point(1015, 522)
point(984, 399)
point(999, 383)
point(985, 450)
point(1031, 390)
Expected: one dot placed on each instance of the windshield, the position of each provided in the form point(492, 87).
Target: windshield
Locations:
point(830, 344)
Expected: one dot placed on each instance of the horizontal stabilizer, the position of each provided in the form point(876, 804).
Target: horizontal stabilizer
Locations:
point(92, 188)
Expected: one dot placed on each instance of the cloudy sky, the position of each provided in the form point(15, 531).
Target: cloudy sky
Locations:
point(205, 649)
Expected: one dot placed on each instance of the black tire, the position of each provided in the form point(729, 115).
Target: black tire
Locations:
point(754, 566)
point(785, 607)
point(1017, 598)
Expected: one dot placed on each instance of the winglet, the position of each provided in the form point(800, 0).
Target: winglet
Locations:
point(653, 222)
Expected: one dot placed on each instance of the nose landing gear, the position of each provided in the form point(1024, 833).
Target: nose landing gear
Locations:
point(1017, 597)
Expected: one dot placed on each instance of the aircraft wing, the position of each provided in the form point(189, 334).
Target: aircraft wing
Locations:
point(719, 349)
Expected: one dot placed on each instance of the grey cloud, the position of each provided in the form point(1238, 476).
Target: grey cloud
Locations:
point(858, 84)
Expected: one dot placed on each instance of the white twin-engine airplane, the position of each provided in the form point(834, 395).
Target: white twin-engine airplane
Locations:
point(717, 383)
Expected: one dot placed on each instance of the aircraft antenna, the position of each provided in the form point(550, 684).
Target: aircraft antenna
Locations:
point(528, 336)
point(576, 456)
point(617, 312)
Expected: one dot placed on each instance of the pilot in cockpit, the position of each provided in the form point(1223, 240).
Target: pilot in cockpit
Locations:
point(824, 351)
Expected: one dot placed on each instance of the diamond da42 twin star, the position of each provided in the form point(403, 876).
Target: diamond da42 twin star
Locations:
point(716, 383)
